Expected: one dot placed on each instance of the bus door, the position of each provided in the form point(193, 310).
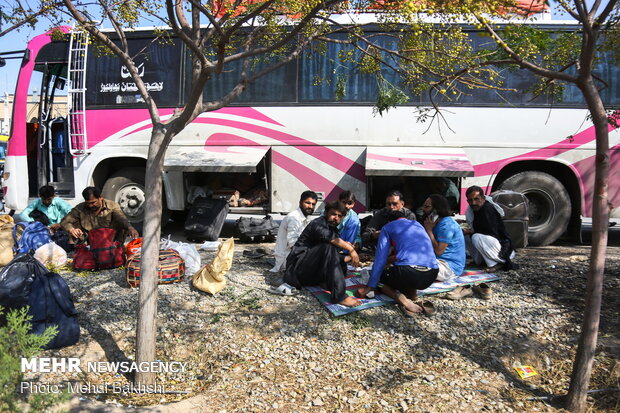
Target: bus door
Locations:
point(54, 163)
point(416, 172)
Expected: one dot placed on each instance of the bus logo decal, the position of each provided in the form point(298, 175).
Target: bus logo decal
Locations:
point(125, 73)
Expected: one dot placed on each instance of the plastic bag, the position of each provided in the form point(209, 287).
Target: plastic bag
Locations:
point(211, 278)
point(51, 253)
point(133, 247)
point(210, 245)
point(188, 252)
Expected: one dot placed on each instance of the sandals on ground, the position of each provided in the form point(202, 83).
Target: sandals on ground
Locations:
point(284, 289)
point(427, 308)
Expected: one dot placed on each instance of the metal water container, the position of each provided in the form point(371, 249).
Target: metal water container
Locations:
point(515, 217)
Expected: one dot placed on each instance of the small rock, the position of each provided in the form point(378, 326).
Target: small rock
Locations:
point(429, 378)
point(317, 402)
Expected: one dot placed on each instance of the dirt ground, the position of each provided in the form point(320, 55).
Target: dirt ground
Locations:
point(254, 351)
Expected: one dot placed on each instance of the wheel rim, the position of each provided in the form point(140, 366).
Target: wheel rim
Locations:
point(131, 199)
point(541, 208)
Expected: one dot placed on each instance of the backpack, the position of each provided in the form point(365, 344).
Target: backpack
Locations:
point(33, 235)
point(51, 305)
point(249, 228)
point(16, 280)
point(171, 268)
point(6, 239)
point(101, 253)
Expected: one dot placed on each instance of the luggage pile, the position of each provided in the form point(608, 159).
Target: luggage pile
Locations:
point(25, 281)
point(27, 248)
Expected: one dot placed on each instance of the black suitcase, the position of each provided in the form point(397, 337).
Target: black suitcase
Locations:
point(206, 219)
point(257, 229)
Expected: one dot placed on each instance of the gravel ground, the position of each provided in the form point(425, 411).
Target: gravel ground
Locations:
point(249, 350)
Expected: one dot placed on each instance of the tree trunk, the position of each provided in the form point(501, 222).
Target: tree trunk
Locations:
point(147, 310)
point(582, 367)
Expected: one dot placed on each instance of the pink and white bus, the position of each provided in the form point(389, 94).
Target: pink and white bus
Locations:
point(287, 133)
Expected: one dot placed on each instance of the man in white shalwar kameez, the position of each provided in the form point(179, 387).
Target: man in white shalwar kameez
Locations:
point(291, 227)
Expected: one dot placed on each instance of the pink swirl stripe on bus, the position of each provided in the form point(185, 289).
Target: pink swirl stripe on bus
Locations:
point(322, 153)
point(220, 142)
point(247, 112)
point(99, 129)
point(558, 148)
point(129, 116)
point(586, 170)
point(309, 177)
point(105, 123)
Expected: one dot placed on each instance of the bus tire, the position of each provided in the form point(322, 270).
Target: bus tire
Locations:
point(126, 187)
point(549, 205)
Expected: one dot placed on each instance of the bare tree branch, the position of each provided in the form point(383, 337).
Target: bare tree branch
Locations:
point(89, 26)
point(601, 18)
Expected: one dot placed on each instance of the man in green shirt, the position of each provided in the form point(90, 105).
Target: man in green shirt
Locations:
point(49, 204)
point(97, 212)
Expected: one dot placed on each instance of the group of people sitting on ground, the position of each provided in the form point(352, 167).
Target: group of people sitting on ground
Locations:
point(409, 255)
point(94, 212)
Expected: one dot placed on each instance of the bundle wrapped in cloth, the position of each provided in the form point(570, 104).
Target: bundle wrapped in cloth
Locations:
point(211, 278)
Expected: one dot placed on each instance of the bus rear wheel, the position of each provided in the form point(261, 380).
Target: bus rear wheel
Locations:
point(126, 187)
point(549, 206)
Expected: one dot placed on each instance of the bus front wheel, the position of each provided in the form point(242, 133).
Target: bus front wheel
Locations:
point(126, 187)
point(549, 205)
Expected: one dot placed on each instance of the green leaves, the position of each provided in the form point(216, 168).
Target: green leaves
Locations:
point(17, 342)
point(389, 96)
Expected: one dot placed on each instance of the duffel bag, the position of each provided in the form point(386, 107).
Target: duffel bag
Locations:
point(51, 306)
point(255, 227)
point(83, 258)
point(171, 268)
point(107, 252)
point(16, 280)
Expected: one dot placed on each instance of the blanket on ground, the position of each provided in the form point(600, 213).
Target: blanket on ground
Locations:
point(357, 278)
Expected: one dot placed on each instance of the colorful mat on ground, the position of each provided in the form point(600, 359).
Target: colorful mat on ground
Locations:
point(355, 279)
